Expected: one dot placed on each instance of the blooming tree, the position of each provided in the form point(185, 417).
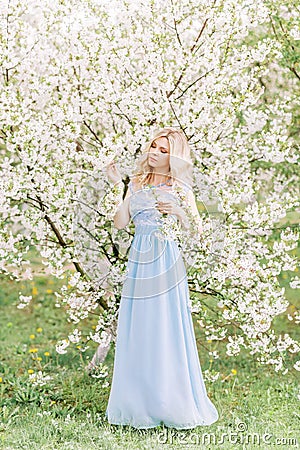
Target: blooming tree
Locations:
point(85, 82)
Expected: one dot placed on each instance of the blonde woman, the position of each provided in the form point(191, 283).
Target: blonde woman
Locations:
point(157, 378)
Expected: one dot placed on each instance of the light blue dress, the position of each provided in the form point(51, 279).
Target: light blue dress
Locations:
point(157, 377)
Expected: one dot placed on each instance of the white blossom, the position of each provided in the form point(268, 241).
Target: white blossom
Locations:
point(39, 378)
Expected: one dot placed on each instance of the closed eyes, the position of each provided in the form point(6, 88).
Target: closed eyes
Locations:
point(163, 150)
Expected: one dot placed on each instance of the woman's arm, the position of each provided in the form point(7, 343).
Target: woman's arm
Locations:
point(122, 216)
point(191, 201)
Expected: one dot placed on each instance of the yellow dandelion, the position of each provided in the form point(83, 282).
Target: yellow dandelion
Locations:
point(32, 336)
point(34, 290)
point(209, 340)
point(49, 291)
point(94, 327)
point(30, 371)
point(233, 371)
point(39, 358)
point(78, 346)
point(211, 360)
point(39, 329)
point(46, 353)
point(33, 350)
point(1, 379)
point(52, 402)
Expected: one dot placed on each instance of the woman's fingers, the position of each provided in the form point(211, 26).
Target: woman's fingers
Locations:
point(165, 206)
point(112, 164)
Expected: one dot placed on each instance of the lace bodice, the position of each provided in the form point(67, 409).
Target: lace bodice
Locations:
point(142, 203)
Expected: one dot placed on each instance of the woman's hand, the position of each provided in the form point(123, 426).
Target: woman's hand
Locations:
point(169, 208)
point(113, 173)
point(173, 208)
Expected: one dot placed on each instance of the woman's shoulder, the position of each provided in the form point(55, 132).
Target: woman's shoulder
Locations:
point(134, 183)
point(133, 179)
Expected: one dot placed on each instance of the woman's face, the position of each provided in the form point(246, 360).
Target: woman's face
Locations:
point(159, 154)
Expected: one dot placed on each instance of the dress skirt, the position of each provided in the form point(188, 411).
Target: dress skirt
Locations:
point(157, 377)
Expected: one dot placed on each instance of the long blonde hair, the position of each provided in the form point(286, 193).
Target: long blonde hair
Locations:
point(181, 167)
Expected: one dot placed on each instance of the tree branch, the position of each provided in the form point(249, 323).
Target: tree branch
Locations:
point(194, 82)
point(200, 34)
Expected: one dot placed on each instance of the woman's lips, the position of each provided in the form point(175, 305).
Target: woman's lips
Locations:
point(152, 159)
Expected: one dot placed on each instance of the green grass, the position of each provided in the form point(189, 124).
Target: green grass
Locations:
point(68, 412)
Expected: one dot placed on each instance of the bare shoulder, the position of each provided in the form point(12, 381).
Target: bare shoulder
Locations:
point(134, 179)
point(135, 182)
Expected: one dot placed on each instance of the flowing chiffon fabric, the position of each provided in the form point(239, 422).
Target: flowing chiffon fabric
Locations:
point(157, 378)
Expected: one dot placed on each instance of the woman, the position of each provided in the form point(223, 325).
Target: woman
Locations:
point(157, 376)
